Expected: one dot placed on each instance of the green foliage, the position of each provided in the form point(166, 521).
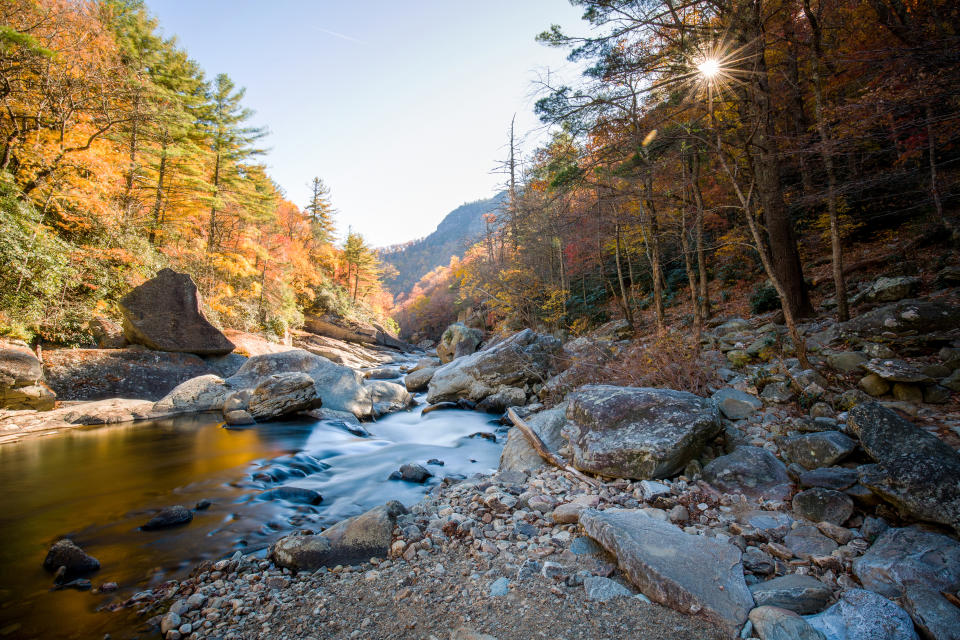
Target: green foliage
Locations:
point(764, 298)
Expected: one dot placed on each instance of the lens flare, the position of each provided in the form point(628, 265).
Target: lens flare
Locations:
point(709, 68)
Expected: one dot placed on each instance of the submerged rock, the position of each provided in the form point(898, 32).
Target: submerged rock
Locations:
point(169, 517)
point(641, 433)
point(66, 553)
point(691, 574)
point(164, 314)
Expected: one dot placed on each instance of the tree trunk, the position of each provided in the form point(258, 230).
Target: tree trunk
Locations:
point(627, 311)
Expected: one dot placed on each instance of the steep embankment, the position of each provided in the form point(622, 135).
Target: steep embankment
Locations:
point(456, 232)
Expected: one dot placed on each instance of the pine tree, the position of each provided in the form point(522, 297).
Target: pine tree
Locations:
point(321, 213)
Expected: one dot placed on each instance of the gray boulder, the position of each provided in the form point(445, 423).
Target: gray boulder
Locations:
point(736, 404)
point(503, 399)
point(164, 314)
point(915, 470)
point(838, 478)
point(909, 556)
point(523, 358)
point(203, 393)
point(602, 589)
point(458, 340)
point(641, 433)
point(863, 615)
point(904, 318)
point(774, 623)
point(350, 541)
point(800, 594)
point(66, 553)
point(823, 505)
point(281, 394)
point(806, 541)
point(892, 370)
point(691, 574)
point(815, 450)
point(888, 290)
point(19, 367)
point(752, 471)
point(519, 455)
point(846, 361)
point(386, 397)
point(934, 615)
point(419, 379)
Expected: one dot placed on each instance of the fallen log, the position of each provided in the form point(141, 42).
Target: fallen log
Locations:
point(439, 406)
point(541, 448)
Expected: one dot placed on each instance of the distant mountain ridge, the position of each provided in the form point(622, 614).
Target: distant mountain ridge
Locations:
point(458, 230)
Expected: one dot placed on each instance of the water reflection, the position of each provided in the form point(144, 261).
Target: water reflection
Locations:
point(98, 485)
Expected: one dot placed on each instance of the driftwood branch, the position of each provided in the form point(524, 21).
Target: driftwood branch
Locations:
point(542, 449)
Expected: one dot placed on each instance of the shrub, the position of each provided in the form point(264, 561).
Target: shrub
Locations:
point(764, 298)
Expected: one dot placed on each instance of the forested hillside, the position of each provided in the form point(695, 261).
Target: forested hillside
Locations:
point(120, 156)
point(713, 144)
point(456, 233)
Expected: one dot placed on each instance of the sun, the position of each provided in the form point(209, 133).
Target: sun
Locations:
point(709, 68)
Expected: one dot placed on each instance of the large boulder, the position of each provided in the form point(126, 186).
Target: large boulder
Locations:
point(280, 394)
point(888, 290)
point(930, 320)
point(691, 574)
point(752, 471)
point(386, 397)
point(863, 615)
point(519, 455)
point(97, 374)
point(800, 594)
point(901, 557)
point(641, 433)
point(419, 379)
point(523, 358)
point(458, 340)
point(350, 541)
point(21, 379)
point(164, 314)
point(821, 449)
point(203, 393)
point(934, 615)
point(915, 470)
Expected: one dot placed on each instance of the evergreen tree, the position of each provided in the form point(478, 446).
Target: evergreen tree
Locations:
point(321, 212)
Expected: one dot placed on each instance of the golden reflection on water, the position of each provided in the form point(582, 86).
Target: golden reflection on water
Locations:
point(97, 485)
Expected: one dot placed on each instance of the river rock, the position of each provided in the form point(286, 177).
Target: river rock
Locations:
point(21, 379)
point(298, 495)
point(602, 589)
point(814, 450)
point(281, 394)
point(350, 541)
point(413, 472)
point(169, 517)
point(906, 317)
point(774, 623)
point(736, 404)
point(691, 574)
point(203, 393)
point(752, 471)
point(419, 379)
point(164, 314)
point(906, 556)
point(806, 541)
point(338, 387)
point(503, 399)
point(66, 553)
point(863, 615)
point(896, 371)
point(885, 289)
point(519, 455)
point(523, 358)
point(238, 418)
point(800, 594)
point(915, 470)
point(641, 433)
point(98, 374)
point(386, 397)
point(823, 505)
point(458, 340)
point(846, 361)
point(838, 478)
point(935, 616)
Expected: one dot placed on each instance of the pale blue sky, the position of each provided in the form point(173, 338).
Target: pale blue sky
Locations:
point(402, 108)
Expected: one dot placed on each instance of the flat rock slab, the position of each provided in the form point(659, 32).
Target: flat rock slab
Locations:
point(806, 541)
point(98, 374)
point(838, 478)
point(896, 371)
point(800, 594)
point(915, 470)
point(752, 471)
point(637, 432)
point(691, 574)
point(864, 615)
point(909, 556)
point(933, 614)
point(164, 314)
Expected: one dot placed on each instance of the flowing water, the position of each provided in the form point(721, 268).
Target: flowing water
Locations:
point(98, 485)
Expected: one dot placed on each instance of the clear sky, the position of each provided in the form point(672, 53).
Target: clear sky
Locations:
point(402, 108)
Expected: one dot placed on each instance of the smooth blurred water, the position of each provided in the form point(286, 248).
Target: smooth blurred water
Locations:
point(98, 485)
